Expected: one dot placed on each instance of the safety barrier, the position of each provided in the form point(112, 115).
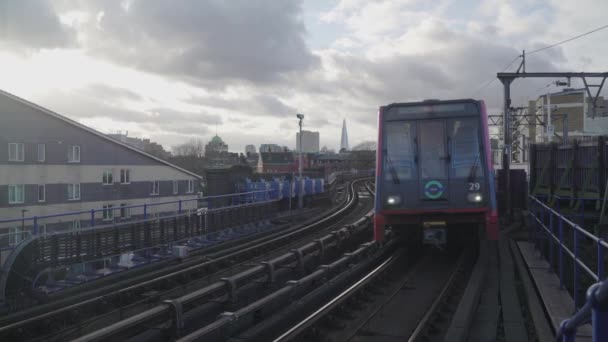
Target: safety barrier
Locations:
point(595, 311)
point(97, 218)
point(551, 231)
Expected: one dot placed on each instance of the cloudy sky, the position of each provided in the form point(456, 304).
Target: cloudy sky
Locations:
point(175, 70)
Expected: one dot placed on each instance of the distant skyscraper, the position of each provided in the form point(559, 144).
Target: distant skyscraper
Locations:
point(344, 140)
point(274, 148)
point(310, 142)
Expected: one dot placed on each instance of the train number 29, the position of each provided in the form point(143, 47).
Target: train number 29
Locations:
point(474, 186)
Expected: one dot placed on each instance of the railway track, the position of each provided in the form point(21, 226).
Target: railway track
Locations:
point(388, 302)
point(140, 295)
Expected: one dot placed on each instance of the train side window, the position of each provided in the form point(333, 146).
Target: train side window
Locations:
point(465, 148)
point(400, 150)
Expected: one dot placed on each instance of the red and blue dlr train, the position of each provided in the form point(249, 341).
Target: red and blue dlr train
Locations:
point(434, 175)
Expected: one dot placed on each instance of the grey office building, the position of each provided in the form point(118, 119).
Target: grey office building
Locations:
point(50, 164)
point(310, 142)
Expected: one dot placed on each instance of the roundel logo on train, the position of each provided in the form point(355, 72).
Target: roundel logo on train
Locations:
point(433, 189)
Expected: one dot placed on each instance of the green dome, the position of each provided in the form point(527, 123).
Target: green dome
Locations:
point(217, 140)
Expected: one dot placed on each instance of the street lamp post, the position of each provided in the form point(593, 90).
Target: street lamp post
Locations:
point(23, 211)
point(301, 194)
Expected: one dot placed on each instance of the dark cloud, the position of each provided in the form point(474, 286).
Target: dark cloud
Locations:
point(201, 41)
point(32, 24)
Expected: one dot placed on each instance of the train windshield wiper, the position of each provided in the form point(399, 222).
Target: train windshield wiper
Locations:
point(392, 171)
point(473, 171)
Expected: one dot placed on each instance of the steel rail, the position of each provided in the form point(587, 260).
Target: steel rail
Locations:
point(338, 300)
point(256, 244)
point(444, 291)
point(164, 310)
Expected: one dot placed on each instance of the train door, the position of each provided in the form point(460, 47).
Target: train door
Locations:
point(433, 160)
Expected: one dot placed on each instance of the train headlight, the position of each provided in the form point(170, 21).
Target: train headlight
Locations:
point(474, 197)
point(393, 199)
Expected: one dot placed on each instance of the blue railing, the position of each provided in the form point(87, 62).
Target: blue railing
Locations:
point(595, 311)
point(30, 225)
point(553, 229)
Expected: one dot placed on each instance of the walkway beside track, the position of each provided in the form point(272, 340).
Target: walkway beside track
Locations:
point(557, 302)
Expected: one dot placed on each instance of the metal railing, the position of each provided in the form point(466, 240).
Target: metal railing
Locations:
point(551, 231)
point(550, 228)
point(595, 311)
point(29, 226)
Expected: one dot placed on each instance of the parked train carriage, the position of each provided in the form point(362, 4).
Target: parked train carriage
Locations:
point(434, 172)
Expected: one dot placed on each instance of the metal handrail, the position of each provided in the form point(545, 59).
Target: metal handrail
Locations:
point(148, 205)
point(550, 223)
point(595, 311)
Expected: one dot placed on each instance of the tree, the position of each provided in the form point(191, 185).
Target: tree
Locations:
point(365, 146)
point(193, 147)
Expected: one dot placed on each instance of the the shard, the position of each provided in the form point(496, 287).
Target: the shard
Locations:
point(344, 140)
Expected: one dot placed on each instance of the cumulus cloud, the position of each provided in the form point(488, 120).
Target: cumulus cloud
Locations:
point(203, 42)
point(248, 67)
point(32, 24)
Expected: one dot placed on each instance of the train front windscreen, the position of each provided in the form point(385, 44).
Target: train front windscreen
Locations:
point(445, 148)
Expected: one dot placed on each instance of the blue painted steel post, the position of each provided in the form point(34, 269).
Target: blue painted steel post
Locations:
point(35, 229)
point(575, 278)
point(543, 223)
point(599, 313)
point(537, 226)
point(179, 209)
point(550, 237)
point(561, 253)
point(92, 217)
point(568, 336)
point(145, 211)
point(582, 222)
point(600, 260)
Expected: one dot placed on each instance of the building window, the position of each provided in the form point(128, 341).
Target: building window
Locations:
point(74, 225)
point(73, 192)
point(190, 186)
point(155, 188)
point(175, 187)
point(16, 152)
point(107, 177)
point(42, 229)
point(125, 176)
point(16, 194)
point(15, 236)
point(125, 211)
point(108, 213)
point(41, 153)
point(74, 154)
point(41, 193)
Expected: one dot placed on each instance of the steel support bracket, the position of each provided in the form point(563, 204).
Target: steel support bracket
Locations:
point(271, 271)
point(321, 247)
point(299, 256)
point(231, 288)
point(177, 311)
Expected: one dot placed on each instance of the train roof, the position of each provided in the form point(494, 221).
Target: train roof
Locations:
point(427, 102)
